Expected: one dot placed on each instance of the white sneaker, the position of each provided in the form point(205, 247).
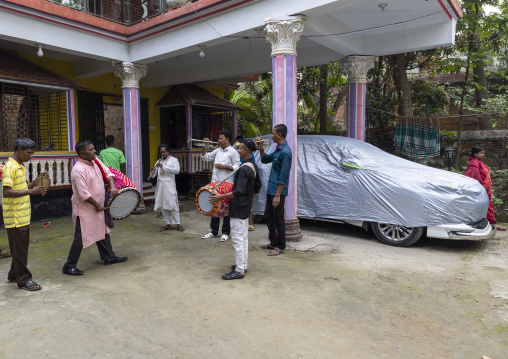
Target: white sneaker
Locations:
point(224, 238)
point(208, 236)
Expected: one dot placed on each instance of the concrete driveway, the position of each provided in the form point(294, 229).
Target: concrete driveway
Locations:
point(336, 294)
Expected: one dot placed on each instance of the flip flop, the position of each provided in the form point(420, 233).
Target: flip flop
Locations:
point(180, 228)
point(266, 246)
point(275, 252)
point(31, 286)
point(165, 228)
point(5, 253)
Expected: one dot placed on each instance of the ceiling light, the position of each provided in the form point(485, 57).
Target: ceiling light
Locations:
point(202, 52)
point(383, 5)
point(39, 52)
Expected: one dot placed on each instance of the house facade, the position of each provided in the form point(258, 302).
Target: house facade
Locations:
point(116, 59)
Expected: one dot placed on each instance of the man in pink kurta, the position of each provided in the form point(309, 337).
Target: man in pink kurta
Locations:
point(88, 210)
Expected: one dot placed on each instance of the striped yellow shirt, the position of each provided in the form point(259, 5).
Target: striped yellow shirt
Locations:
point(16, 210)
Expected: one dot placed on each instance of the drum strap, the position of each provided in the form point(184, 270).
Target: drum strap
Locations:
point(248, 164)
point(105, 179)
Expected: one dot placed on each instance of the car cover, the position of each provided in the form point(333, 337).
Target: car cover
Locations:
point(346, 179)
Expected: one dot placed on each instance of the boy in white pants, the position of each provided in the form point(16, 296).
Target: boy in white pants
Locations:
point(246, 186)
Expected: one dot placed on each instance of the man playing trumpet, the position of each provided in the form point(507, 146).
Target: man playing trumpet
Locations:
point(277, 189)
point(226, 159)
point(166, 196)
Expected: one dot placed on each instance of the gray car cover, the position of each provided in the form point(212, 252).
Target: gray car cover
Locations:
point(343, 178)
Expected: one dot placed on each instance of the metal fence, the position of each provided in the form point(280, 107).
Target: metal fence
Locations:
point(126, 12)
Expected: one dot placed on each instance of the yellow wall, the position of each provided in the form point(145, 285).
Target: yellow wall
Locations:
point(110, 84)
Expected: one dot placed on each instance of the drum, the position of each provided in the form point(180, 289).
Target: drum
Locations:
point(125, 203)
point(43, 181)
point(219, 209)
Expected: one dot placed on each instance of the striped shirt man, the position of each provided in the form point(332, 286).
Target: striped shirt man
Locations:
point(16, 210)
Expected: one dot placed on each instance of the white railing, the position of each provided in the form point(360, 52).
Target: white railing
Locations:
point(58, 168)
point(182, 159)
point(198, 164)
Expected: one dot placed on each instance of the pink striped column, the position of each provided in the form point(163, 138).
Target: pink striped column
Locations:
point(71, 120)
point(356, 67)
point(71, 123)
point(130, 75)
point(284, 112)
point(283, 34)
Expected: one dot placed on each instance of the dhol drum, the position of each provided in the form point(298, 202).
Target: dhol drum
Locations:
point(125, 203)
point(219, 209)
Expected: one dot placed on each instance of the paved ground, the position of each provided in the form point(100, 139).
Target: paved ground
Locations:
point(337, 294)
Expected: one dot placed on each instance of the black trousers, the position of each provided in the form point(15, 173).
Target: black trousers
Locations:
point(275, 220)
point(104, 246)
point(215, 223)
point(19, 239)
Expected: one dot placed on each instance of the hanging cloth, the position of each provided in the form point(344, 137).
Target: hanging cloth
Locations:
point(417, 138)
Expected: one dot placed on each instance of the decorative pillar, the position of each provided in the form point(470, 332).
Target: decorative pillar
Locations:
point(283, 34)
point(71, 127)
point(356, 68)
point(130, 74)
point(71, 120)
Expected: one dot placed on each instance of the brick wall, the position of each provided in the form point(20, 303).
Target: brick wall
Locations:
point(201, 179)
point(113, 125)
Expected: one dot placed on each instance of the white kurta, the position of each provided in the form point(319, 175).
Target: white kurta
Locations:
point(166, 196)
point(227, 156)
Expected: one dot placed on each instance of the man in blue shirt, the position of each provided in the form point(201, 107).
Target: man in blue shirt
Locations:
point(277, 190)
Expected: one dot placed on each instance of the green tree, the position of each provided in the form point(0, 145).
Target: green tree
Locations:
point(320, 94)
point(256, 100)
point(479, 37)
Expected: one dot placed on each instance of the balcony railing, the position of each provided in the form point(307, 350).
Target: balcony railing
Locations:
point(125, 12)
point(58, 166)
point(198, 164)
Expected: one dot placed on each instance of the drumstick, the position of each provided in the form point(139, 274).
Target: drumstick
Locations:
point(116, 207)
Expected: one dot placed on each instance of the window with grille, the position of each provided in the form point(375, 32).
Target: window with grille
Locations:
point(37, 113)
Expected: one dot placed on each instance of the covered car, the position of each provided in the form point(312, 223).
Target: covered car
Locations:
point(347, 180)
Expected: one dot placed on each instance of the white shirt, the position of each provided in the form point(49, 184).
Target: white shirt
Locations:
point(227, 156)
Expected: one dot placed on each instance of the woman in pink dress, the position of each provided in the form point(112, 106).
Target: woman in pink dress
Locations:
point(480, 171)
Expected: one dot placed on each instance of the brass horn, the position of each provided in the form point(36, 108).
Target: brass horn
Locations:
point(263, 143)
point(201, 143)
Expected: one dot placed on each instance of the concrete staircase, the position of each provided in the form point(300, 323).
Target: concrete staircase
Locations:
point(148, 193)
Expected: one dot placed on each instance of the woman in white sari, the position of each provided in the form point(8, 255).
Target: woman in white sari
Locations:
point(166, 196)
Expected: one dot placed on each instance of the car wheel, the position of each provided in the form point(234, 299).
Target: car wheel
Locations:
point(396, 235)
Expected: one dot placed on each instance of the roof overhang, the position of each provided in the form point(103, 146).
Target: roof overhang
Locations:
point(169, 43)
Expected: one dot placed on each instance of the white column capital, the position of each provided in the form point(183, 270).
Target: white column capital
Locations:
point(130, 74)
point(283, 34)
point(357, 67)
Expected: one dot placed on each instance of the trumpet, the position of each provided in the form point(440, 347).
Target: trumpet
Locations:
point(153, 171)
point(263, 143)
point(201, 143)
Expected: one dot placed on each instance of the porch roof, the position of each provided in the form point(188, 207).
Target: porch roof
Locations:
point(194, 95)
point(16, 69)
